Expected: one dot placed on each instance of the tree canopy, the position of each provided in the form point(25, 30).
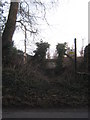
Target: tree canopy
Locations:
point(41, 50)
point(61, 49)
point(87, 56)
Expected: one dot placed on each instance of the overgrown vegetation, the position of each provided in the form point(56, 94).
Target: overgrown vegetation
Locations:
point(61, 52)
point(87, 57)
point(8, 54)
point(27, 85)
point(40, 52)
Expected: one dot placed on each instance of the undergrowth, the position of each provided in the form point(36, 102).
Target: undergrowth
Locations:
point(29, 86)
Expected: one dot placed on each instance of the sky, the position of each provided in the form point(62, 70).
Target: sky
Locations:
point(68, 21)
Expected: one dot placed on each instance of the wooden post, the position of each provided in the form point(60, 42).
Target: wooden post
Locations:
point(75, 56)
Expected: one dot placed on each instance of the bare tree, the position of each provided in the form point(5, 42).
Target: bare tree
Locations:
point(32, 13)
point(29, 12)
point(10, 24)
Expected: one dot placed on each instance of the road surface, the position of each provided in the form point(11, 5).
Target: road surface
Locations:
point(50, 113)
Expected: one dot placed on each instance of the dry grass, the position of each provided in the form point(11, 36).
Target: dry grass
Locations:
point(29, 86)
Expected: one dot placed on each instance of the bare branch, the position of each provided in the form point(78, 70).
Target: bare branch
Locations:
point(20, 21)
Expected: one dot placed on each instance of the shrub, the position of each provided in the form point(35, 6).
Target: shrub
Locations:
point(87, 56)
point(61, 52)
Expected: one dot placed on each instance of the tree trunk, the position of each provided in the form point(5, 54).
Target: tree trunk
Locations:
point(10, 25)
